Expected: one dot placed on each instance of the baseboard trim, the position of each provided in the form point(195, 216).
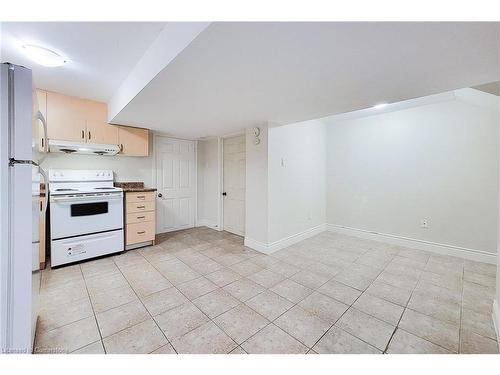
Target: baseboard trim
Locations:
point(269, 248)
point(470, 254)
point(496, 320)
point(259, 246)
point(207, 223)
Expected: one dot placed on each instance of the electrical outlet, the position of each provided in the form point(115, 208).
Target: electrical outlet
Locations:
point(424, 223)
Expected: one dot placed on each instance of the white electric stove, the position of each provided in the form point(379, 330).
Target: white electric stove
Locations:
point(86, 215)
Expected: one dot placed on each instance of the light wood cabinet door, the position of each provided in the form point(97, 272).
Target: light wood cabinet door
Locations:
point(97, 127)
point(140, 232)
point(66, 118)
point(133, 207)
point(101, 132)
point(133, 141)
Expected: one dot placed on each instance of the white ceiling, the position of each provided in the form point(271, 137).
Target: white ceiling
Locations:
point(237, 75)
point(101, 54)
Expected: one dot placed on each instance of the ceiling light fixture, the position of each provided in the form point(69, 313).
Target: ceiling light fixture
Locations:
point(43, 56)
point(381, 105)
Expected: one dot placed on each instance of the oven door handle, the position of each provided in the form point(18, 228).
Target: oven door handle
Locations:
point(87, 199)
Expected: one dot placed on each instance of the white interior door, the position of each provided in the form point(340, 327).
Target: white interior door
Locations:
point(175, 181)
point(234, 184)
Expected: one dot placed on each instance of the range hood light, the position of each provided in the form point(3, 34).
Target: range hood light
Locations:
point(82, 148)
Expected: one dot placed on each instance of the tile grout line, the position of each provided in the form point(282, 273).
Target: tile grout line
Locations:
point(317, 290)
point(461, 311)
point(120, 271)
point(142, 303)
point(174, 286)
point(351, 305)
point(405, 307)
point(212, 320)
point(93, 311)
point(297, 303)
point(440, 320)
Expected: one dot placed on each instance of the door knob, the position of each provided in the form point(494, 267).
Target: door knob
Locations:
point(160, 195)
point(224, 194)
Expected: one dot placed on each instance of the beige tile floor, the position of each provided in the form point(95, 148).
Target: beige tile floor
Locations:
point(202, 291)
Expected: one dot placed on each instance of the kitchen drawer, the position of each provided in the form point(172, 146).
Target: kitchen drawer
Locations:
point(140, 232)
point(140, 196)
point(140, 217)
point(140, 206)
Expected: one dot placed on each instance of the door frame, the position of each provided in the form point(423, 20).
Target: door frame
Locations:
point(221, 180)
point(156, 137)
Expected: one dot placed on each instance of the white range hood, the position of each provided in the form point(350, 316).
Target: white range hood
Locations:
point(82, 148)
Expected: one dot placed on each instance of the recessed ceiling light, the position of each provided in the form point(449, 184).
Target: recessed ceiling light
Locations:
point(381, 105)
point(43, 56)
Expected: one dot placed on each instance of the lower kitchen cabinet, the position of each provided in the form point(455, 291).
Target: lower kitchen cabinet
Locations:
point(140, 225)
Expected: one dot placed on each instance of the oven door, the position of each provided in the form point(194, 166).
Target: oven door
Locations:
point(73, 216)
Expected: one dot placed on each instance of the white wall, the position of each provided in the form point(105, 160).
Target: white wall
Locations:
point(208, 182)
point(437, 162)
point(297, 178)
point(256, 189)
point(126, 168)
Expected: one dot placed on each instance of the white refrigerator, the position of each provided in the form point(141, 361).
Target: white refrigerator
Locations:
point(19, 211)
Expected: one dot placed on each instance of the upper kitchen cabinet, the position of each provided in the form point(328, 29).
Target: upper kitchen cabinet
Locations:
point(97, 128)
point(66, 118)
point(81, 120)
point(133, 141)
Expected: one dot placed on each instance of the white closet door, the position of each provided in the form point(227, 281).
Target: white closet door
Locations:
point(175, 181)
point(234, 185)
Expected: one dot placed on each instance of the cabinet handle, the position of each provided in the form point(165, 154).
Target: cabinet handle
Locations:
point(42, 143)
point(141, 197)
point(83, 134)
point(141, 206)
point(141, 232)
point(141, 217)
point(121, 147)
point(90, 136)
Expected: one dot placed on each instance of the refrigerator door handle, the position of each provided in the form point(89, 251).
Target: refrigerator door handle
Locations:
point(13, 162)
point(40, 117)
point(46, 200)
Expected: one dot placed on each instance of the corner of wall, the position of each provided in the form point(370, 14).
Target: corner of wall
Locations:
point(269, 248)
point(256, 189)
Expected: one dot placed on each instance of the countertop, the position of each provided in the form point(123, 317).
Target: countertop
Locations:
point(133, 187)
